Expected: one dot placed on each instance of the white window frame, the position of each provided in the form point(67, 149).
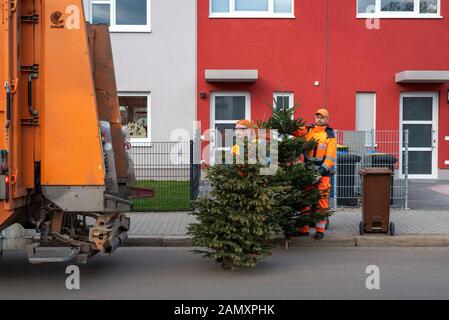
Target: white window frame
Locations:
point(213, 122)
point(434, 123)
point(378, 14)
point(252, 14)
point(113, 18)
point(149, 109)
point(290, 95)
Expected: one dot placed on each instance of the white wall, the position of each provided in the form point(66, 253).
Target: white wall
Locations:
point(162, 62)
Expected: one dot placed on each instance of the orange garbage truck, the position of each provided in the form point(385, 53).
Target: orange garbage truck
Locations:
point(64, 155)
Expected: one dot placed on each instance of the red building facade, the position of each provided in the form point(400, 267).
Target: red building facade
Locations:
point(382, 67)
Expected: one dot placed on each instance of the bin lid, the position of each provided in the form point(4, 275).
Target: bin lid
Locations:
point(373, 154)
point(375, 171)
point(348, 158)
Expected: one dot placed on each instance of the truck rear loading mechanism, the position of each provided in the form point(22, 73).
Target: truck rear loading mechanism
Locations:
point(65, 165)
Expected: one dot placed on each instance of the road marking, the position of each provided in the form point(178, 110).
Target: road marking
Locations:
point(373, 280)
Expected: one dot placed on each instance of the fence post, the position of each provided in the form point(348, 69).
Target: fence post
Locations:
point(336, 172)
point(406, 142)
point(191, 173)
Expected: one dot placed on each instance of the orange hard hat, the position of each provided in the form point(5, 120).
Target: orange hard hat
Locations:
point(323, 112)
point(247, 123)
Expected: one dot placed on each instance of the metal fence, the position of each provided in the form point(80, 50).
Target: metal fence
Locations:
point(171, 169)
point(362, 149)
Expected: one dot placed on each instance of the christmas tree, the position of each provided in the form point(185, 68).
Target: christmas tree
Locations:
point(293, 171)
point(246, 209)
point(239, 221)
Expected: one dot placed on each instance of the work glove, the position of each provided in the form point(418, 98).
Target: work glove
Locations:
point(322, 171)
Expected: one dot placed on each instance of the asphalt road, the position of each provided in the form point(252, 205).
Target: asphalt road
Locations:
point(172, 273)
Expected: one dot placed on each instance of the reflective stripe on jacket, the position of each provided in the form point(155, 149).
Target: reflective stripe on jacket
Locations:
point(325, 152)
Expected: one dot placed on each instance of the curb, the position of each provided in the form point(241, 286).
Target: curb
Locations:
point(403, 241)
point(329, 241)
point(158, 241)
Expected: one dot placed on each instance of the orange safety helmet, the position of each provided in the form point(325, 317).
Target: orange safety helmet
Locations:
point(250, 125)
point(247, 123)
point(323, 112)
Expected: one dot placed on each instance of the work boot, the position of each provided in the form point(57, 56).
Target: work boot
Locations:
point(301, 232)
point(319, 235)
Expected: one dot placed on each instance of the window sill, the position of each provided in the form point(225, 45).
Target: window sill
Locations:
point(410, 16)
point(251, 16)
point(130, 30)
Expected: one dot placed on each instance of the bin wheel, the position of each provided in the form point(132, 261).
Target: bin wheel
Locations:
point(392, 228)
point(361, 230)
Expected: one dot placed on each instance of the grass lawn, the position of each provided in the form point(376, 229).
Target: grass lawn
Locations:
point(168, 196)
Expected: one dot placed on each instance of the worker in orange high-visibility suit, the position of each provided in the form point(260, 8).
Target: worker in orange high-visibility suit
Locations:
point(323, 156)
point(244, 128)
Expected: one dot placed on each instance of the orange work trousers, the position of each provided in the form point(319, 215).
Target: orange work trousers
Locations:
point(324, 186)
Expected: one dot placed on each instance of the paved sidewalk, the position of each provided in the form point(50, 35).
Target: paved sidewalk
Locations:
point(413, 228)
point(429, 195)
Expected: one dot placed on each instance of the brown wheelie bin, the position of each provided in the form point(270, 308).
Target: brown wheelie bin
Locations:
point(376, 184)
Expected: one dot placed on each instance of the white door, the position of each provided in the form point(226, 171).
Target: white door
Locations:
point(226, 109)
point(419, 115)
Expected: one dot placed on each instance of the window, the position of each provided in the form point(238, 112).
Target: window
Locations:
point(252, 8)
point(251, 5)
point(226, 109)
point(135, 114)
point(398, 8)
point(101, 13)
point(283, 99)
point(366, 116)
point(122, 15)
